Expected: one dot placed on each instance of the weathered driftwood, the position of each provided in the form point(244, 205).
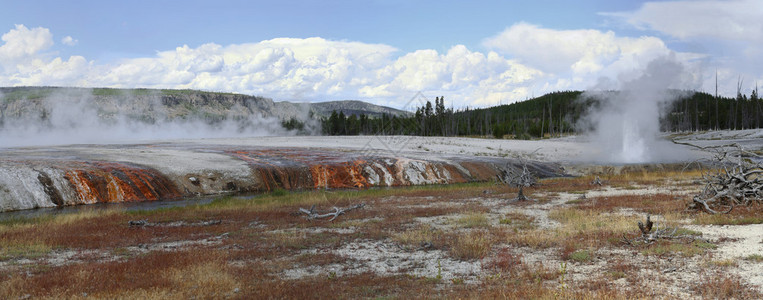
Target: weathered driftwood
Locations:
point(312, 214)
point(737, 181)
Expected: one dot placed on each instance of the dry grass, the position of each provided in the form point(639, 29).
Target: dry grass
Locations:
point(741, 215)
point(646, 176)
point(475, 244)
point(414, 238)
point(723, 286)
point(657, 204)
point(587, 228)
point(473, 220)
point(682, 248)
point(144, 273)
point(518, 221)
point(723, 263)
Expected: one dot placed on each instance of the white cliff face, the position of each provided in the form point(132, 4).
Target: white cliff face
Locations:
point(20, 188)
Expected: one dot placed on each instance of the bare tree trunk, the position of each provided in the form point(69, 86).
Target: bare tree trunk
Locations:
point(550, 120)
point(717, 113)
point(542, 122)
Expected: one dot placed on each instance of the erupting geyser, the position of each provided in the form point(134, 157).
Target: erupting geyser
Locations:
point(626, 126)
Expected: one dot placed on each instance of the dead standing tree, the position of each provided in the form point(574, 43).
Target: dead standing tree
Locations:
point(520, 178)
point(737, 181)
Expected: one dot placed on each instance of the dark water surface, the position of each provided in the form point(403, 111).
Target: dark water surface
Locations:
point(126, 206)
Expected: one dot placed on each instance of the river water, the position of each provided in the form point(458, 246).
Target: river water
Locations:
point(125, 206)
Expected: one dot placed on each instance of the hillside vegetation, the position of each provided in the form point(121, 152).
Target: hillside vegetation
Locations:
point(553, 114)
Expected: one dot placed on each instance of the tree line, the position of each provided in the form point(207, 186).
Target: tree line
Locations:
point(551, 115)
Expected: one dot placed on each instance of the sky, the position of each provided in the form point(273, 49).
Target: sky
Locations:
point(475, 53)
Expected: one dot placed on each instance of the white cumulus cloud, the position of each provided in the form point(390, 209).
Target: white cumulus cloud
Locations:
point(580, 52)
point(523, 61)
point(726, 20)
point(69, 41)
point(729, 32)
point(21, 45)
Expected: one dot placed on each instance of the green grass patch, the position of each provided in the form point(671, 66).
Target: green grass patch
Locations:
point(23, 220)
point(684, 249)
point(684, 231)
point(26, 93)
point(23, 250)
point(615, 275)
point(581, 256)
point(754, 258)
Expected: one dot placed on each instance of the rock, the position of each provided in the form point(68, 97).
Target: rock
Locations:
point(137, 223)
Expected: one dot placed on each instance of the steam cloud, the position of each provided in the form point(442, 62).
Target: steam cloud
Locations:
point(625, 128)
point(67, 117)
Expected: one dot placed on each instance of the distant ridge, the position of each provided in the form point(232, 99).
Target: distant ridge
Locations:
point(355, 107)
point(156, 104)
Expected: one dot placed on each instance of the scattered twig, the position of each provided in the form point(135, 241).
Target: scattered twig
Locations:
point(312, 214)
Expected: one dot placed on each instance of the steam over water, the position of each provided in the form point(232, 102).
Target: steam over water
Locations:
point(76, 116)
point(625, 128)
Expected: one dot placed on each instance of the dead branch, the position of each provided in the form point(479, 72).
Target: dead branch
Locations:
point(312, 214)
point(738, 180)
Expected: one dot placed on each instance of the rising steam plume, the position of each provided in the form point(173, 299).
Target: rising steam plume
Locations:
point(625, 126)
point(78, 116)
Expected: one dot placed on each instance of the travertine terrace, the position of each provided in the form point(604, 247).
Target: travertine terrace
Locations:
point(85, 174)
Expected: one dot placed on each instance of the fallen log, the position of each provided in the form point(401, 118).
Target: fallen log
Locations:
point(312, 214)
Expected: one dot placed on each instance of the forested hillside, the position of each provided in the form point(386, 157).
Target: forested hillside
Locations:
point(553, 114)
